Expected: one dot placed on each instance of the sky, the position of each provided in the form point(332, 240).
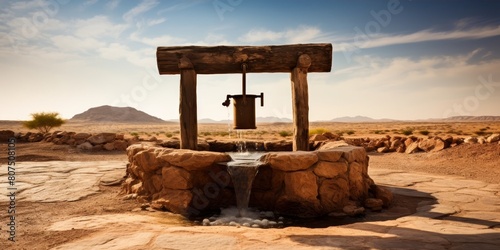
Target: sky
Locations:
point(404, 59)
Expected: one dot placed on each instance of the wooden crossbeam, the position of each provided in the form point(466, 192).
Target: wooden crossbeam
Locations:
point(260, 59)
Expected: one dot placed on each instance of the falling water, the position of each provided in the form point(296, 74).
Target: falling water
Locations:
point(243, 169)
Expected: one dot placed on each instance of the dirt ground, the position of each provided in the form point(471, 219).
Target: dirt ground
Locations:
point(472, 161)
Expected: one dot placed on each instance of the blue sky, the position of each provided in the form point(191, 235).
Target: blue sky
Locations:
point(392, 59)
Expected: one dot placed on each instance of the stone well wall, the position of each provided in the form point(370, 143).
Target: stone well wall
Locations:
point(303, 184)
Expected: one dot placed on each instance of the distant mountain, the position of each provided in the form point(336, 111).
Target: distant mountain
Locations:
point(473, 118)
point(359, 119)
point(115, 114)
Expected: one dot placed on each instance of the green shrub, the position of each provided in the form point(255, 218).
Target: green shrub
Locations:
point(285, 133)
point(134, 134)
point(169, 135)
point(407, 131)
point(424, 132)
point(44, 122)
point(350, 132)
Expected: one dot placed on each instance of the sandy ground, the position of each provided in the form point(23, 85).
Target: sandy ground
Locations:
point(476, 162)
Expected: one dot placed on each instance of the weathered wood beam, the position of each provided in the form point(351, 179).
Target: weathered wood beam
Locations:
point(187, 107)
point(300, 103)
point(260, 59)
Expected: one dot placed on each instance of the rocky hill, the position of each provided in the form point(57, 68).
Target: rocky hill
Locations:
point(115, 114)
point(490, 118)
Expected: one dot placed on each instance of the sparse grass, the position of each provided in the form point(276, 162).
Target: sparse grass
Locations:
point(377, 132)
point(407, 131)
point(285, 133)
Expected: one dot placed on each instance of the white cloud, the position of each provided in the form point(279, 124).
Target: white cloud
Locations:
point(300, 34)
point(24, 5)
point(165, 40)
point(143, 7)
point(380, 40)
point(98, 26)
point(116, 51)
point(153, 22)
point(112, 4)
point(90, 2)
point(72, 43)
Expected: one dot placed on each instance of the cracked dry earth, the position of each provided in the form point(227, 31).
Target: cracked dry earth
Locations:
point(64, 205)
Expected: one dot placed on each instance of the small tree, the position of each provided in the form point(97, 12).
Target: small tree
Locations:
point(44, 122)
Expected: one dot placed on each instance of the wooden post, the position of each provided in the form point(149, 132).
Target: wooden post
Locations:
point(188, 108)
point(300, 103)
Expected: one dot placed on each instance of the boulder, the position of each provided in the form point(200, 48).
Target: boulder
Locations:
point(109, 146)
point(331, 136)
point(102, 138)
point(331, 155)
point(384, 149)
point(81, 136)
point(358, 187)
point(175, 201)
point(493, 138)
point(408, 142)
point(5, 135)
point(193, 160)
point(290, 161)
point(176, 178)
point(120, 145)
point(278, 146)
point(470, 139)
point(332, 144)
point(221, 146)
point(36, 137)
point(171, 144)
point(318, 137)
point(353, 210)
point(382, 194)
point(373, 204)
point(334, 194)
point(147, 160)
point(330, 169)
point(481, 140)
point(301, 186)
point(412, 148)
point(85, 146)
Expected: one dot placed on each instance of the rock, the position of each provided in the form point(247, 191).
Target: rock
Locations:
point(5, 135)
point(81, 136)
point(331, 155)
point(221, 146)
point(408, 142)
point(290, 161)
point(120, 145)
point(278, 146)
point(148, 161)
point(36, 137)
point(493, 138)
point(301, 186)
point(171, 144)
point(470, 139)
point(98, 147)
point(102, 138)
point(334, 194)
point(193, 160)
point(175, 201)
point(120, 137)
point(153, 139)
point(318, 137)
point(401, 149)
point(384, 149)
point(133, 150)
point(439, 145)
point(373, 204)
point(176, 178)
point(383, 194)
point(353, 210)
point(332, 144)
point(331, 136)
point(203, 145)
point(85, 146)
point(358, 187)
point(481, 140)
point(427, 145)
point(330, 169)
point(412, 148)
point(109, 146)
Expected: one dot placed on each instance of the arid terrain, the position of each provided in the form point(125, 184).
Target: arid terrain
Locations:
point(479, 162)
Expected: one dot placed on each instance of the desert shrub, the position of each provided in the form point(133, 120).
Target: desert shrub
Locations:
point(317, 131)
point(350, 132)
point(424, 132)
point(284, 133)
point(44, 122)
point(480, 132)
point(224, 133)
point(377, 132)
point(407, 131)
point(484, 129)
point(169, 135)
point(134, 134)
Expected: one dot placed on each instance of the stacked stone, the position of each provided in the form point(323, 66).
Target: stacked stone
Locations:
point(304, 184)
